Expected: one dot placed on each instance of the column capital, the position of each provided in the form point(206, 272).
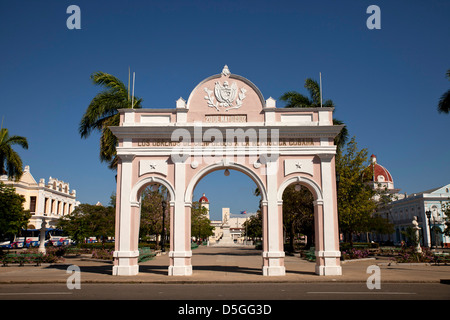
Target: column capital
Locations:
point(326, 157)
point(266, 158)
point(126, 157)
point(318, 202)
point(179, 158)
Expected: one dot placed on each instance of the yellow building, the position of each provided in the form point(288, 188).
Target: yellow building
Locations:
point(50, 200)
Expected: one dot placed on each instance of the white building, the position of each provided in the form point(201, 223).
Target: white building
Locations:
point(235, 223)
point(402, 211)
point(403, 208)
point(50, 200)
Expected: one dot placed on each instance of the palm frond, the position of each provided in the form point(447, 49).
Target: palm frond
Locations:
point(21, 141)
point(313, 88)
point(10, 161)
point(109, 81)
point(444, 103)
point(295, 100)
point(341, 139)
point(103, 105)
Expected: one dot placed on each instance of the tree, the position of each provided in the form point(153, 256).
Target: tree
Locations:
point(152, 212)
point(355, 197)
point(446, 212)
point(200, 224)
point(380, 222)
point(103, 112)
point(298, 100)
point(101, 221)
point(10, 161)
point(88, 221)
point(298, 214)
point(13, 218)
point(444, 102)
point(253, 226)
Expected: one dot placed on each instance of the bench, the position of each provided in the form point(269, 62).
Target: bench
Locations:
point(145, 254)
point(22, 258)
point(310, 255)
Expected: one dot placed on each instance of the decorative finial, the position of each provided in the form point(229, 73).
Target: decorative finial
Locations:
point(226, 72)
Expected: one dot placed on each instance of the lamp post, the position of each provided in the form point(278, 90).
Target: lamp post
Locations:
point(428, 213)
point(163, 240)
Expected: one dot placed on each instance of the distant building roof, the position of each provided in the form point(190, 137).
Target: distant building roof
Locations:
point(380, 173)
point(203, 199)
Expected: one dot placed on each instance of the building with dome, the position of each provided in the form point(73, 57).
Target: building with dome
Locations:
point(204, 202)
point(382, 179)
point(427, 206)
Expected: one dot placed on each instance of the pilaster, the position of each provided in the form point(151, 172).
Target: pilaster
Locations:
point(125, 256)
point(328, 254)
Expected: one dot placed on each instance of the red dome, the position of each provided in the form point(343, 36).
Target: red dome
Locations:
point(380, 173)
point(203, 199)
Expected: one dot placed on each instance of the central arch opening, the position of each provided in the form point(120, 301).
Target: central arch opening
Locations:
point(228, 201)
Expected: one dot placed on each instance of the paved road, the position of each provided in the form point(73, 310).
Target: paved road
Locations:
point(228, 292)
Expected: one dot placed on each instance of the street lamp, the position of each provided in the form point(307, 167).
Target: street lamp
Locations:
point(428, 213)
point(163, 240)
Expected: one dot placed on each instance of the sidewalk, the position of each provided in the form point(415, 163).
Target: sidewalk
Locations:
point(223, 265)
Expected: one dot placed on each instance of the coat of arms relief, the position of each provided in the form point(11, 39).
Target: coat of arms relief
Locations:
point(225, 96)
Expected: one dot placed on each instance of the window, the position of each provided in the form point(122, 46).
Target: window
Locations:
point(32, 204)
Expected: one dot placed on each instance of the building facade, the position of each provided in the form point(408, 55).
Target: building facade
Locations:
point(51, 200)
point(235, 224)
point(427, 206)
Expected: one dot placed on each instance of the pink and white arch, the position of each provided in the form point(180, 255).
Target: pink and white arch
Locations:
point(226, 124)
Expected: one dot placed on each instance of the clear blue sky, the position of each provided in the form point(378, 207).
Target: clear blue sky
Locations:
point(385, 83)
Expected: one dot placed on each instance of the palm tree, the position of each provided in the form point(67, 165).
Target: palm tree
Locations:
point(103, 112)
point(444, 102)
point(298, 100)
point(10, 161)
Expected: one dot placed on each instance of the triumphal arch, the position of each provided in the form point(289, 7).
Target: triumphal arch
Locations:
point(226, 124)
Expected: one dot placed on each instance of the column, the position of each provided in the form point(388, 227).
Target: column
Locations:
point(180, 251)
point(126, 254)
point(327, 239)
point(40, 205)
point(273, 252)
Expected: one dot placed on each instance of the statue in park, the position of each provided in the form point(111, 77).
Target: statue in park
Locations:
point(416, 229)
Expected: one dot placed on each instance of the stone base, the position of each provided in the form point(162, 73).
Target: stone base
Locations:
point(328, 263)
point(180, 263)
point(329, 271)
point(125, 270)
point(274, 271)
point(273, 263)
point(125, 263)
point(180, 271)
